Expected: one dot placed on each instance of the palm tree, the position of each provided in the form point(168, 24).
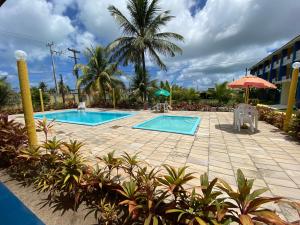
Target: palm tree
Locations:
point(221, 92)
point(141, 83)
point(43, 86)
point(99, 74)
point(142, 34)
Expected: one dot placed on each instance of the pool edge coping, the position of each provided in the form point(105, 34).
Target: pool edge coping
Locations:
point(192, 133)
point(83, 123)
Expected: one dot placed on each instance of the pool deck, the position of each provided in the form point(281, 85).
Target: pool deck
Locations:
point(268, 155)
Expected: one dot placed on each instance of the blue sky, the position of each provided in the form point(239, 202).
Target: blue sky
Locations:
point(222, 38)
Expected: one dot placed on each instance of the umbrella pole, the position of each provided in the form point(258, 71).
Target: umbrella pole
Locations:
point(246, 95)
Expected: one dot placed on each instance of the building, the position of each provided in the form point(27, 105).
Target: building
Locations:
point(277, 68)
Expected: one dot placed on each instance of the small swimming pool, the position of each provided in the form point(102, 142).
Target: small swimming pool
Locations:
point(173, 124)
point(83, 117)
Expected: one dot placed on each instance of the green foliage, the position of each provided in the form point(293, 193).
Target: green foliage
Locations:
point(142, 34)
point(141, 85)
point(294, 128)
point(35, 96)
point(5, 91)
point(138, 195)
point(248, 203)
point(180, 94)
point(175, 179)
point(271, 116)
point(13, 138)
point(99, 74)
point(221, 92)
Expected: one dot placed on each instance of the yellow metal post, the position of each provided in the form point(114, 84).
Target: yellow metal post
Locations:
point(292, 93)
point(114, 98)
point(170, 103)
point(41, 99)
point(26, 97)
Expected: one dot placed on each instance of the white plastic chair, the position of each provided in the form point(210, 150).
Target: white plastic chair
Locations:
point(245, 113)
point(81, 106)
point(166, 107)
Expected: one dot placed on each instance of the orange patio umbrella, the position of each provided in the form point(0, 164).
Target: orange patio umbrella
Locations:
point(250, 81)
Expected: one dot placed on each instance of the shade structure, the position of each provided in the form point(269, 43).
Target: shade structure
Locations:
point(162, 92)
point(250, 81)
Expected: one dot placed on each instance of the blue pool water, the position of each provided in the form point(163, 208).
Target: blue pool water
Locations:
point(13, 211)
point(173, 124)
point(83, 117)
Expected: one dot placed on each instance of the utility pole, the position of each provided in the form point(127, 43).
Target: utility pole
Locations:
point(50, 45)
point(74, 51)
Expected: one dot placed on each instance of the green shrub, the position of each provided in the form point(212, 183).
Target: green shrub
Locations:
point(294, 128)
point(13, 137)
point(36, 101)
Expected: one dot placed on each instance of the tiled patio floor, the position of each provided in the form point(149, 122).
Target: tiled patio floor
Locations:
point(267, 155)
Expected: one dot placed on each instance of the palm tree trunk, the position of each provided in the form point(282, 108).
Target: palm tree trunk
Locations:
point(144, 63)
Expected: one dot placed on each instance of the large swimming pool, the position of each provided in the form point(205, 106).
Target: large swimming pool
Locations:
point(174, 124)
point(83, 117)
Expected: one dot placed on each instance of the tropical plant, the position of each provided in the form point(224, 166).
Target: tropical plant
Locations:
point(131, 193)
point(13, 138)
point(130, 163)
point(141, 84)
point(111, 162)
point(152, 200)
point(99, 74)
point(106, 212)
point(45, 126)
point(221, 92)
point(175, 179)
point(142, 34)
point(71, 172)
point(203, 208)
point(5, 91)
point(52, 145)
point(72, 147)
point(247, 204)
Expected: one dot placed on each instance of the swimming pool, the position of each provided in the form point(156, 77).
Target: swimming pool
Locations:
point(13, 211)
point(173, 124)
point(83, 117)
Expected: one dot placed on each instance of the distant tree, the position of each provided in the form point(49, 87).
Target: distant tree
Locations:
point(141, 84)
point(221, 92)
point(5, 90)
point(43, 86)
point(35, 96)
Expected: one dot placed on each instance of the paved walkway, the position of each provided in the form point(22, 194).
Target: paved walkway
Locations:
point(267, 155)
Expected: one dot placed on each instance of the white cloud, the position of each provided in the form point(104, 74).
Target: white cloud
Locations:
point(23, 28)
point(220, 40)
point(97, 19)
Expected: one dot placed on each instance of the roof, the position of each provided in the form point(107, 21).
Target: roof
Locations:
point(288, 44)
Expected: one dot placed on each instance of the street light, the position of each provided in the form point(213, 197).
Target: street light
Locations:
point(26, 97)
point(292, 93)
